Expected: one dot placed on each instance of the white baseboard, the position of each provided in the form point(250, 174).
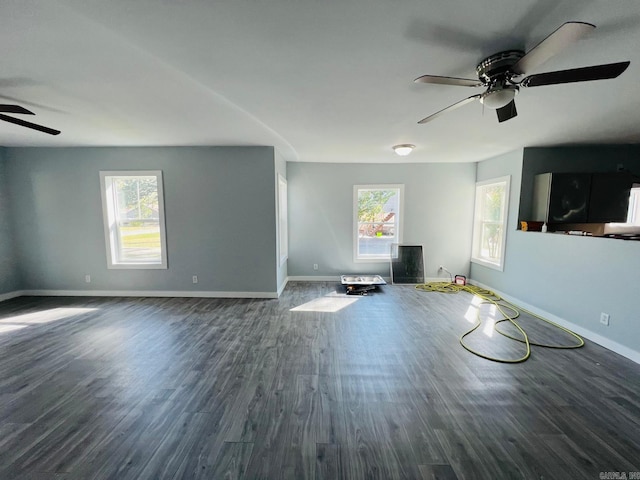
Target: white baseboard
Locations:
point(146, 293)
point(10, 295)
point(283, 286)
point(314, 278)
point(616, 347)
point(336, 278)
point(323, 278)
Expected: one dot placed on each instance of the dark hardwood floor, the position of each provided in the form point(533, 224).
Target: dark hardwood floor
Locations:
point(314, 385)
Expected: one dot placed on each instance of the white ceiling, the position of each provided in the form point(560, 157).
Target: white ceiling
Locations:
point(322, 80)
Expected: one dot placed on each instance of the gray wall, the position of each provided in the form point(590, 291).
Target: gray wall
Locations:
point(9, 273)
point(219, 208)
point(438, 213)
point(574, 278)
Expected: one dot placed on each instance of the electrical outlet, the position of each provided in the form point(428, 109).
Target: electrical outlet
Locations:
point(195, 279)
point(440, 269)
point(87, 278)
point(315, 266)
point(604, 319)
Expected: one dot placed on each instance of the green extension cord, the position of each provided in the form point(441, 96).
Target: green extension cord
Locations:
point(489, 297)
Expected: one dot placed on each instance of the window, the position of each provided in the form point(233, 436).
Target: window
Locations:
point(133, 211)
point(490, 222)
point(633, 214)
point(282, 219)
point(377, 220)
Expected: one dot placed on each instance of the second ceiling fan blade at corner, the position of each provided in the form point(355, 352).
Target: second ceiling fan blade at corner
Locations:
point(584, 74)
point(33, 126)
point(564, 36)
point(450, 108)
point(15, 109)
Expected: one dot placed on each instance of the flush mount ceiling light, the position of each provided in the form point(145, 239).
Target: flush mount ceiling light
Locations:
point(404, 149)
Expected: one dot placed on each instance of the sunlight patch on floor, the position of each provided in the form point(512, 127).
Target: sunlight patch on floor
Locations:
point(487, 315)
point(330, 303)
point(489, 327)
point(10, 327)
point(17, 322)
point(472, 311)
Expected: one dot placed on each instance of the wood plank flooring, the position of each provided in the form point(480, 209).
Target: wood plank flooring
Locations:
point(314, 385)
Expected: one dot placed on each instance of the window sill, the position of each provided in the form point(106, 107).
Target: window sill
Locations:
point(485, 263)
point(372, 260)
point(137, 266)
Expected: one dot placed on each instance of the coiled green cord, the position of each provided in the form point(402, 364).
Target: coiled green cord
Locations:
point(489, 297)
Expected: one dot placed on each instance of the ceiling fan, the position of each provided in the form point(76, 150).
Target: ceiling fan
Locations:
point(17, 109)
point(501, 73)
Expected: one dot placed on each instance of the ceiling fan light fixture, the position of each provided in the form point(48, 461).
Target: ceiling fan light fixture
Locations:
point(403, 149)
point(499, 97)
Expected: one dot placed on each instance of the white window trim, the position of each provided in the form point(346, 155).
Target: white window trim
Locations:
point(283, 221)
point(400, 222)
point(481, 261)
point(109, 220)
point(633, 212)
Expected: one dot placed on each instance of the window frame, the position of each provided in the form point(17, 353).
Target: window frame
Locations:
point(477, 221)
point(399, 223)
point(633, 212)
point(109, 220)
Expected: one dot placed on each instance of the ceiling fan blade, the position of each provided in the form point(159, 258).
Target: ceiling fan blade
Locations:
point(584, 74)
point(564, 36)
point(15, 109)
point(507, 112)
point(449, 108)
point(458, 82)
point(34, 126)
